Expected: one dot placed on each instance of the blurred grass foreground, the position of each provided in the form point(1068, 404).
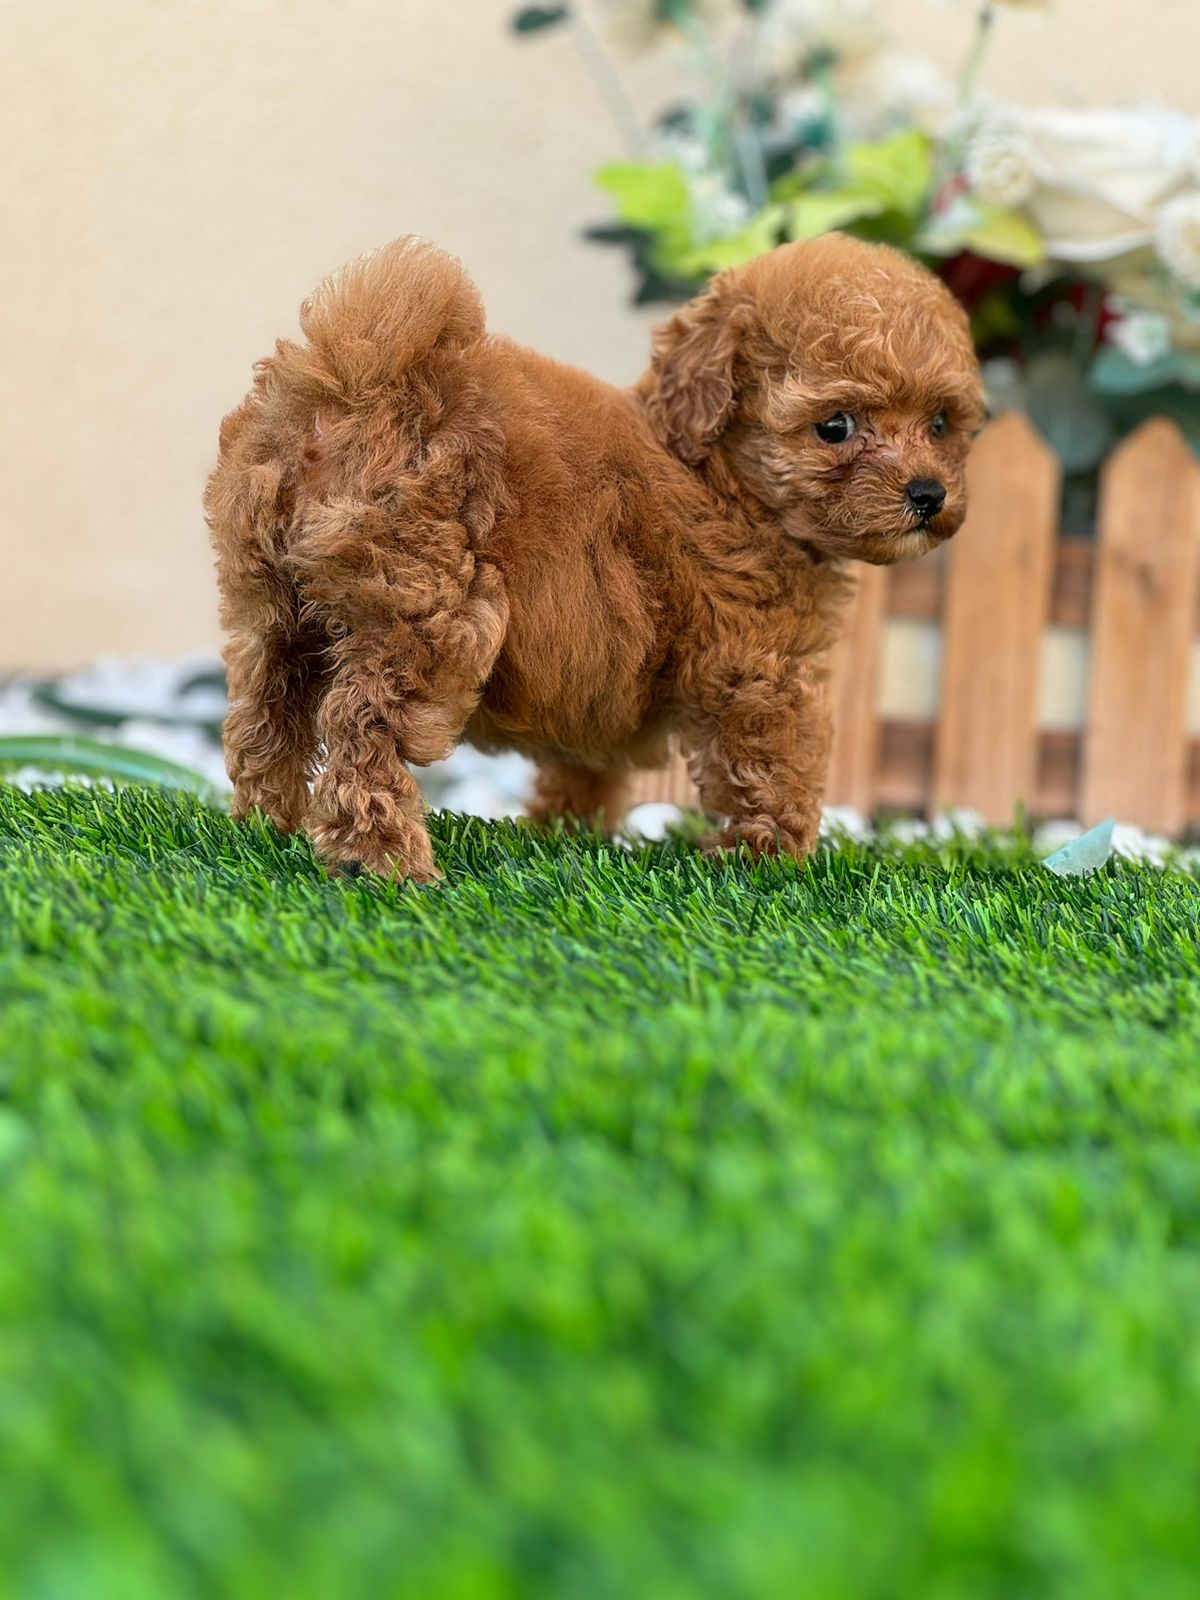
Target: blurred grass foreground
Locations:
point(607, 1222)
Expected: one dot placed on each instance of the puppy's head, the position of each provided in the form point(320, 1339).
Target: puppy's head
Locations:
point(835, 384)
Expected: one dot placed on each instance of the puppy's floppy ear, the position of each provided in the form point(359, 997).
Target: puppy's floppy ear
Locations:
point(691, 394)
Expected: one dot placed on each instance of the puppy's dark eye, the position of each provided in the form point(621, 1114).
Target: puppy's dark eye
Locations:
point(837, 429)
point(940, 426)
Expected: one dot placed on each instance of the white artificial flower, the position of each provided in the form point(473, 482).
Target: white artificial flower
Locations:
point(1177, 238)
point(999, 166)
point(1139, 282)
point(1103, 176)
point(887, 90)
point(1143, 336)
point(803, 106)
point(794, 31)
point(908, 89)
point(907, 830)
point(1150, 849)
point(689, 153)
point(716, 210)
point(876, 88)
point(959, 822)
point(842, 823)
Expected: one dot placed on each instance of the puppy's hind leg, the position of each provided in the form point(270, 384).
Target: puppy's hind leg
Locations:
point(270, 732)
point(576, 795)
point(418, 625)
point(275, 661)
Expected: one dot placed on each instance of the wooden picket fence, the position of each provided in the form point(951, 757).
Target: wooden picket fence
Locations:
point(997, 593)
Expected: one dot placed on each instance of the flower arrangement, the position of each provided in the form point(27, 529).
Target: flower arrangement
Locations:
point(1072, 237)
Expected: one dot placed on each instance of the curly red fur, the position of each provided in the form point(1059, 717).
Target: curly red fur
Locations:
point(425, 533)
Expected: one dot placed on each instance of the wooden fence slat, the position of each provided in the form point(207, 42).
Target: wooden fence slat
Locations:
point(1143, 611)
point(997, 602)
point(907, 765)
point(915, 589)
point(854, 691)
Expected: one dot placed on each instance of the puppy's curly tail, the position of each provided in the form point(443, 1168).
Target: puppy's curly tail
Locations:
point(371, 321)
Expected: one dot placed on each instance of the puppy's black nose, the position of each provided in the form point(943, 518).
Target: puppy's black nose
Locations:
point(926, 496)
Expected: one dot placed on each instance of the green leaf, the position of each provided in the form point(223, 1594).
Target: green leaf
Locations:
point(1068, 414)
point(820, 211)
point(761, 234)
point(999, 235)
point(65, 752)
point(798, 181)
point(647, 196)
point(994, 318)
point(1008, 237)
point(532, 19)
point(893, 176)
point(899, 171)
point(654, 198)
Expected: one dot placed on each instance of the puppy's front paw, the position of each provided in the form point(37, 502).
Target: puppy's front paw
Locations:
point(404, 853)
point(766, 836)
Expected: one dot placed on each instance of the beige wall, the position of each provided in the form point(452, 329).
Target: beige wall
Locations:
point(176, 174)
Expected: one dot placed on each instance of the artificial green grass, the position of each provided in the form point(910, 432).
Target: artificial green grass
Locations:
point(599, 1224)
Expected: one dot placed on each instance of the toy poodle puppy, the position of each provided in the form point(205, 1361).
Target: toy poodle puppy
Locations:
point(427, 533)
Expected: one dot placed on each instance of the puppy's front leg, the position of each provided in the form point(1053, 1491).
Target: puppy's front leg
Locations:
point(759, 752)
